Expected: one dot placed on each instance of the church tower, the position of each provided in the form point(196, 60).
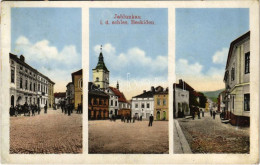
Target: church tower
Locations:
point(101, 73)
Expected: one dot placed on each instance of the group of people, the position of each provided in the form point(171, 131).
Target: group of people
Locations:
point(129, 119)
point(26, 109)
point(68, 108)
point(213, 113)
point(197, 110)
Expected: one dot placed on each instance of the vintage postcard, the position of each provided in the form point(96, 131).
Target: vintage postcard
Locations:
point(130, 82)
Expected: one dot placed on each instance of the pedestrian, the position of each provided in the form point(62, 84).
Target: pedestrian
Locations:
point(198, 114)
point(69, 109)
point(150, 121)
point(130, 117)
point(141, 117)
point(12, 110)
point(39, 109)
point(134, 119)
point(202, 112)
point(124, 119)
point(193, 114)
point(211, 112)
point(214, 114)
point(33, 110)
point(45, 108)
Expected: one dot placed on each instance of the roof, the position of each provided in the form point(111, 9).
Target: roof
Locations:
point(152, 92)
point(60, 94)
point(79, 72)
point(18, 60)
point(70, 83)
point(94, 90)
point(120, 95)
point(101, 63)
point(233, 43)
point(183, 85)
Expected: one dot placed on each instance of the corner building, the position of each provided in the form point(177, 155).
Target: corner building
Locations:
point(237, 81)
point(28, 85)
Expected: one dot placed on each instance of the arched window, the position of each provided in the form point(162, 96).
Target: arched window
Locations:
point(21, 82)
point(97, 79)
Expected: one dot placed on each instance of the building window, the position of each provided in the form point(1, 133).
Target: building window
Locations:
point(115, 103)
point(232, 74)
point(30, 86)
point(147, 105)
point(164, 101)
point(158, 101)
point(97, 79)
point(26, 84)
point(39, 87)
point(21, 82)
point(247, 102)
point(12, 76)
point(136, 105)
point(34, 87)
point(111, 102)
point(21, 68)
point(142, 105)
point(247, 62)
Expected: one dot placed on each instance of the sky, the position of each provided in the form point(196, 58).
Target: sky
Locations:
point(203, 37)
point(136, 55)
point(50, 40)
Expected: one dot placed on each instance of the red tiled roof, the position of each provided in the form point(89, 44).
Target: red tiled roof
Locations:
point(60, 94)
point(120, 95)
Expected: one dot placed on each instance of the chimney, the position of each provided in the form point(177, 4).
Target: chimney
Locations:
point(144, 91)
point(117, 85)
point(22, 58)
point(152, 89)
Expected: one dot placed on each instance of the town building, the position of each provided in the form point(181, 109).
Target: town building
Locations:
point(118, 105)
point(143, 104)
point(70, 93)
point(77, 81)
point(98, 103)
point(101, 73)
point(113, 101)
point(59, 97)
point(27, 85)
point(237, 81)
point(181, 99)
point(51, 93)
point(161, 104)
point(221, 103)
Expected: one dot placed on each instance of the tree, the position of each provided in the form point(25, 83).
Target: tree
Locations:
point(203, 100)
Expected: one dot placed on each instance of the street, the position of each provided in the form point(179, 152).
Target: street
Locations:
point(207, 135)
point(119, 137)
point(48, 133)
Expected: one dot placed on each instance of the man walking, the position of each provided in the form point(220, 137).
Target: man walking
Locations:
point(45, 108)
point(214, 114)
point(150, 121)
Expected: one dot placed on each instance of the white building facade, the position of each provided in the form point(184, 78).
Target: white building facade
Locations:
point(27, 85)
point(181, 102)
point(237, 81)
point(143, 104)
point(113, 102)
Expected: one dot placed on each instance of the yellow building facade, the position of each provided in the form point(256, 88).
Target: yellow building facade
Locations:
point(51, 93)
point(77, 80)
point(161, 105)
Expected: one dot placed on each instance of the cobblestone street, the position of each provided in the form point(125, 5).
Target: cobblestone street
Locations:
point(119, 137)
point(46, 133)
point(207, 135)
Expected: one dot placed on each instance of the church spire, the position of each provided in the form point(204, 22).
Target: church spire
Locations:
point(117, 85)
point(101, 63)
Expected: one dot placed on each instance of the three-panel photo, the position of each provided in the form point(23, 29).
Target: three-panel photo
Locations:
point(158, 82)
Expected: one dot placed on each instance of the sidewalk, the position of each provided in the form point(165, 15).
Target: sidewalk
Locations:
point(180, 143)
